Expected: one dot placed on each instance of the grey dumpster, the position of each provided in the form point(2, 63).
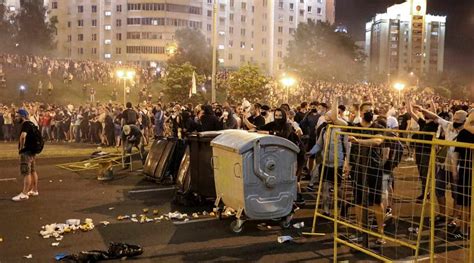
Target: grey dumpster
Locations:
point(255, 174)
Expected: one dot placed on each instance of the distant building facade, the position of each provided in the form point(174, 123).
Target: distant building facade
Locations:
point(142, 31)
point(405, 39)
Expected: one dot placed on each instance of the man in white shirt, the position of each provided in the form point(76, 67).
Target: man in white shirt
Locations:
point(444, 160)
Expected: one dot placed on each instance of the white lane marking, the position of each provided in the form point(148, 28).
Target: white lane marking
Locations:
point(194, 221)
point(7, 179)
point(150, 190)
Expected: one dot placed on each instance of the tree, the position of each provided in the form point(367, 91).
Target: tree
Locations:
point(248, 82)
point(317, 52)
point(7, 30)
point(193, 48)
point(178, 82)
point(35, 34)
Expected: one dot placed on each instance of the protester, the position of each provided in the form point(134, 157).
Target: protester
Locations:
point(27, 151)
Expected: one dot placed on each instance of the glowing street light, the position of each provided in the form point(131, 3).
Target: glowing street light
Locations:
point(287, 81)
point(125, 75)
point(399, 86)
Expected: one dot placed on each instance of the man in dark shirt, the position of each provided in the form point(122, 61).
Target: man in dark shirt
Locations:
point(422, 151)
point(366, 168)
point(27, 157)
point(462, 170)
point(208, 121)
point(301, 112)
point(255, 120)
point(129, 115)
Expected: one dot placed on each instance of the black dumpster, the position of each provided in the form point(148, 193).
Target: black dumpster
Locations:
point(202, 173)
point(159, 158)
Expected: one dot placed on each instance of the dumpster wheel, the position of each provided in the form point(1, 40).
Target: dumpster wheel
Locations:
point(286, 221)
point(237, 226)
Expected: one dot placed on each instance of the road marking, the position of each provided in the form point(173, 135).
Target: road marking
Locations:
point(407, 167)
point(194, 221)
point(7, 179)
point(151, 190)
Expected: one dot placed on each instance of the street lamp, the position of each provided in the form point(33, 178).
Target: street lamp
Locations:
point(399, 86)
point(125, 75)
point(287, 82)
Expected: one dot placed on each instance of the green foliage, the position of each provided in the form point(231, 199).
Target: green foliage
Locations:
point(319, 53)
point(248, 82)
point(193, 48)
point(178, 82)
point(34, 34)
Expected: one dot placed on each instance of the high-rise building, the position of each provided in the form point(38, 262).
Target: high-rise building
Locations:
point(405, 39)
point(142, 31)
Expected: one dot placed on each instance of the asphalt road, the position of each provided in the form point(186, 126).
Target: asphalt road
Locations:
point(65, 195)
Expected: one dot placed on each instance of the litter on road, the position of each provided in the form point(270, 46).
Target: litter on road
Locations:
point(29, 256)
point(284, 239)
point(55, 244)
point(298, 225)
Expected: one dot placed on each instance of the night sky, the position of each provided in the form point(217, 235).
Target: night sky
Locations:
point(459, 49)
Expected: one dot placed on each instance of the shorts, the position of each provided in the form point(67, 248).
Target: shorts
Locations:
point(372, 194)
point(27, 164)
point(443, 178)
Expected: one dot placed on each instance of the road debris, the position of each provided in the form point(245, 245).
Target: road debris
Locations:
point(29, 256)
point(145, 210)
point(298, 225)
point(1, 239)
point(105, 223)
point(284, 239)
point(156, 212)
point(27, 237)
point(111, 208)
point(56, 244)
point(74, 222)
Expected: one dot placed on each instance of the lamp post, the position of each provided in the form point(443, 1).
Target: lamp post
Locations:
point(125, 75)
point(399, 86)
point(287, 82)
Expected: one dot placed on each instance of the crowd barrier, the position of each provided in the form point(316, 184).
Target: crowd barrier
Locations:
point(415, 230)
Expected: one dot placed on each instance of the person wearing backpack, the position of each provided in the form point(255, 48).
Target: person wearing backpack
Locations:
point(30, 144)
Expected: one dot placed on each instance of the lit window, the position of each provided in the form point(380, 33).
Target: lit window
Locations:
point(108, 13)
point(108, 42)
point(107, 55)
point(108, 27)
point(221, 46)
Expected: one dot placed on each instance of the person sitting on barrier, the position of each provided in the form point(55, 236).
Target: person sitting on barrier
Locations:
point(365, 167)
point(451, 130)
point(422, 151)
point(131, 137)
point(280, 127)
point(461, 168)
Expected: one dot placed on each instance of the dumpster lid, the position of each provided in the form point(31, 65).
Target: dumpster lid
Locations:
point(240, 141)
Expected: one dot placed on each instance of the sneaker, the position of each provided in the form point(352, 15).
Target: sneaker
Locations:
point(354, 238)
point(20, 197)
point(310, 188)
point(388, 212)
point(457, 235)
point(33, 193)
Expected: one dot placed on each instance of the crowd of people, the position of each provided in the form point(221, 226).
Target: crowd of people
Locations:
point(304, 123)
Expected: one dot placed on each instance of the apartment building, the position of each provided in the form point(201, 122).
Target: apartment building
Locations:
point(405, 39)
point(142, 31)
